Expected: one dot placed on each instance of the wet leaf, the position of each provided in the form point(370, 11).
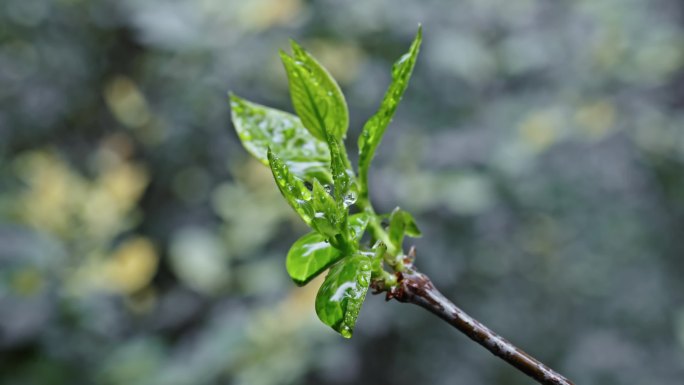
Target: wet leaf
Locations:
point(402, 223)
point(377, 270)
point(340, 297)
point(375, 127)
point(309, 256)
point(316, 97)
point(328, 219)
point(342, 175)
point(260, 128)
point(358, 224)
point(292, 188)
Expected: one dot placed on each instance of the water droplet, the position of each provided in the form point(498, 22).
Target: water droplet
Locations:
point(327, 188)
point(346, 331)
point(349, 199)
point(319, 214)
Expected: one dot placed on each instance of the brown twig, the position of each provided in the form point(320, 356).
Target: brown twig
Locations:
point(417, 288)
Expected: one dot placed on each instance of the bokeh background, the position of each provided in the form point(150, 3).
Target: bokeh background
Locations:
point(540, 146)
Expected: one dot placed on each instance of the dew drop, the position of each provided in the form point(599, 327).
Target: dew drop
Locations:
point(346, 331)
point(349, 199)
point(327, 188)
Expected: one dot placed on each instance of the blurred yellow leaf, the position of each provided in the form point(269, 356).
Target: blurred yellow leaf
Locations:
point(539, 129)
point(27, 282)
point(126, 102)
point(124, 183)
point(129, 106)
point(263, 14)
point(51, 194)
point(131, 266)
point(597, 119)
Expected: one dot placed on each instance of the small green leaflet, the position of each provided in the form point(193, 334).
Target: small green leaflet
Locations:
point(357, 225)
point(316, 97)
point(375, 127)
point(312, 253)
point(379, 252)
point(260, 128)
point(292, 188)
point(309, 256)
point(402, 223)
point(340, 297)
point(342, 175)
point(328, 218)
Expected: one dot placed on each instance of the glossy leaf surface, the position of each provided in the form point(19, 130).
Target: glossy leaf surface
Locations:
point(327, 217)
point(340, 297)
point(358, 224)
point(316, 97)
point(342, 175)
point(292, 188)
point(260, 128)
point(375, 127)
point(402, 223)
point(309, 256)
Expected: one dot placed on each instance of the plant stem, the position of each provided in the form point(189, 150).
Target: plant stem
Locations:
point(416, 288)
point(412, 286)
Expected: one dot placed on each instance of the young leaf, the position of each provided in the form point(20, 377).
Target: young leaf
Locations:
point(292, 188)
point(327, 218)
point(375, 127)
point(358, 224)
point(340, 297)
point(341, 173)
point(402, 223)
point(309, 256)
point(261, 128)
point(379, 251)
point(316, 97)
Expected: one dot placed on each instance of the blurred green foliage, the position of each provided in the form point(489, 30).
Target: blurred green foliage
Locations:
point(540, 147)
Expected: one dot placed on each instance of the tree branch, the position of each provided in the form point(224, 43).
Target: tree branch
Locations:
point(417, 288)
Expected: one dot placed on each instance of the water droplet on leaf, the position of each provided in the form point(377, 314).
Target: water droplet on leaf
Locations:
point(346, 331)
point(349, 199)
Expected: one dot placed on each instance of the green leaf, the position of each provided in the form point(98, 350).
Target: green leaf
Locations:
point(328, 219)
point(292, 188)
point(340, 297)
point(377, 271)
point(358, 224)
point(412, 229)
point(316, 97)
point(260, 128)
point(402, 223)
point(374, 128)
point(309, 256)
point(342, 175)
